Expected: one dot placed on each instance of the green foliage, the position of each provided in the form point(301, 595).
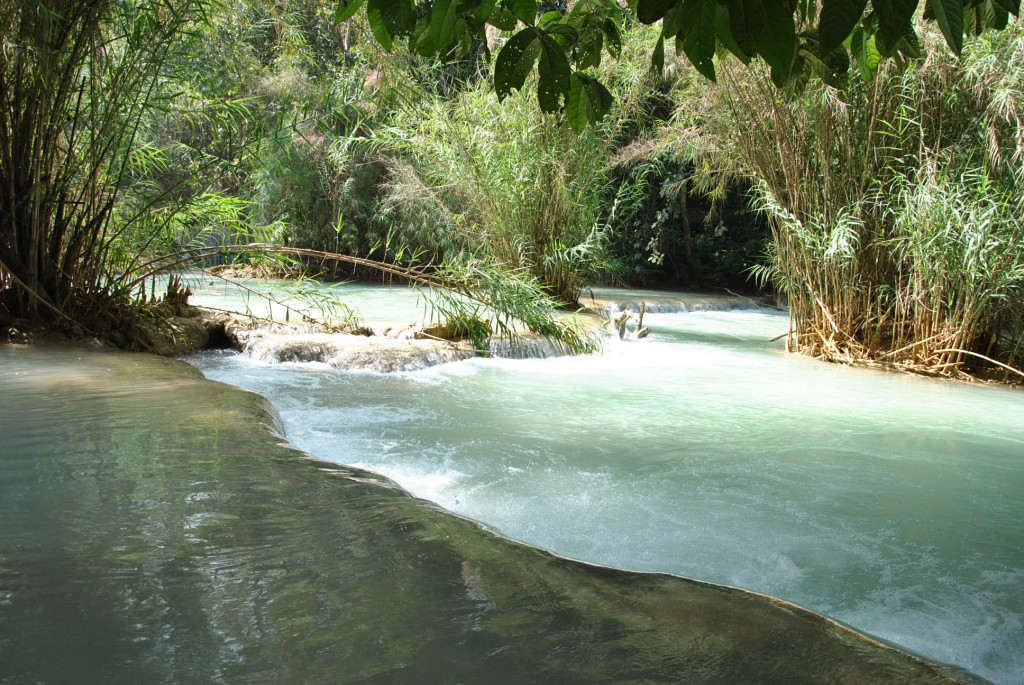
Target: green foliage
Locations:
point(548, 43)
point(275, 120)
point(504, 183)
point(663, 231)
point(673, 219)
point(499, 301)
point(204, 219)
point(961, 244)
point(256, 120)
point(323, 303)
point(894, 206)
point(794, 39)
point(77, 80)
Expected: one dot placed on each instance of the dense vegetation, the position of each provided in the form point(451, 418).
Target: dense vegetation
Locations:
point(882, 202)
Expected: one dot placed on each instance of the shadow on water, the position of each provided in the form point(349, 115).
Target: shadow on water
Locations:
point(156, 529)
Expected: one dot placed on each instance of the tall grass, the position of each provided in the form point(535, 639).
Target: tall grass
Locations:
point(503, 182)
point(894, 205)
point(960, 247)
point(76, 78)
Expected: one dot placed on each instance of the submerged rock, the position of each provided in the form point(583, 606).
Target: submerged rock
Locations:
point(183, 331)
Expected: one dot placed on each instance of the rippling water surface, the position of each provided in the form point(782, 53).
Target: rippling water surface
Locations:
point(888, 502)
point(156, 530)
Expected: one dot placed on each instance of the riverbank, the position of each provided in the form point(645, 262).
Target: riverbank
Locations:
point(265, 318)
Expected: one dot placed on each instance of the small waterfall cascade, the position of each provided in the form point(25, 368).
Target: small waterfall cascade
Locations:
point(353, 352)
point(885, 501)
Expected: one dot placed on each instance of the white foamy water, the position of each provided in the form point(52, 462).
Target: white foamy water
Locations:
point(888, 502)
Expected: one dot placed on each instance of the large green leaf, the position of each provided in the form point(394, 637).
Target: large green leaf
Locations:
point(589, 101)
point(658, 57)
point(999, 17)
point(442, 22)
point(566, 35)
point(613, 38)
point(553, 72)
point(862, 45)
point(832, 69)
point(515, 61)
point(650, 11)
point(390, 19)
point(724, 32)
point(778, 42)
point(746, 19)
point(548, 18)
point(909, 45)
point(346, 9)
point(503, 19)
point(378, 25)
point(588, 51)
point(893, 22)
point(422, 42)
point(674, 20)
point(526, 10)
point(949, 14)
point(600, 97)
point(481, 11)
point(577, 108)
point(838, 17)
point(699, 41)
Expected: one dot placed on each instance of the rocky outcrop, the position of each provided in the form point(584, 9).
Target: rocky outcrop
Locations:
point(351, 352)
point(404, 349)
point(177, 336)
point(394, 349)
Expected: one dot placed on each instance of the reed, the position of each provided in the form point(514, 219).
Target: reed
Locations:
point(76, 78)
point(894, 206)
point(505, 183)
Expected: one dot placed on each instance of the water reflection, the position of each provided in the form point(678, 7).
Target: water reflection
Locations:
point(888, 502)
point(154, 530)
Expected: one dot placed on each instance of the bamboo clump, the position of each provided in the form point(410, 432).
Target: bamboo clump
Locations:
point(896, 236)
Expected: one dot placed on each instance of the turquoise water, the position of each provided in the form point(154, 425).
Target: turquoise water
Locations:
point(888, 502)
point(371, 303)
point(379, 305)
point(157, 530)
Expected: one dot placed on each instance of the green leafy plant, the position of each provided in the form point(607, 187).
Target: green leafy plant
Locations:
point(795, 40)
point(504, 183)
point(76, 80)
point(896, 235)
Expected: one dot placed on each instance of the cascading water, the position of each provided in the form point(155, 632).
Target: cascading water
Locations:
point(888, 502)
point(156, 530)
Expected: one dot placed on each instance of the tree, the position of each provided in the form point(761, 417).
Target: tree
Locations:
point(76, 77)
point(795, 38)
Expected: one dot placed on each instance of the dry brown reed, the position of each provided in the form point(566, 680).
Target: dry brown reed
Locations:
point(893, 206)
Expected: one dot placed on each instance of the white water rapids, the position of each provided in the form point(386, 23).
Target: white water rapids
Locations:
point(891, 503)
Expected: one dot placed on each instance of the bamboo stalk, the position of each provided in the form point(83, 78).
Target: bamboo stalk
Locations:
point(1001, 365)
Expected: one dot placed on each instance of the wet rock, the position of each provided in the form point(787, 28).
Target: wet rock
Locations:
point(189, 330)
point(342, 351)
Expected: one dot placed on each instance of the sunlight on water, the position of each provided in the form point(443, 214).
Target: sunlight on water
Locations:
point(375, 304)
point(888, 502)
point(156, 530)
